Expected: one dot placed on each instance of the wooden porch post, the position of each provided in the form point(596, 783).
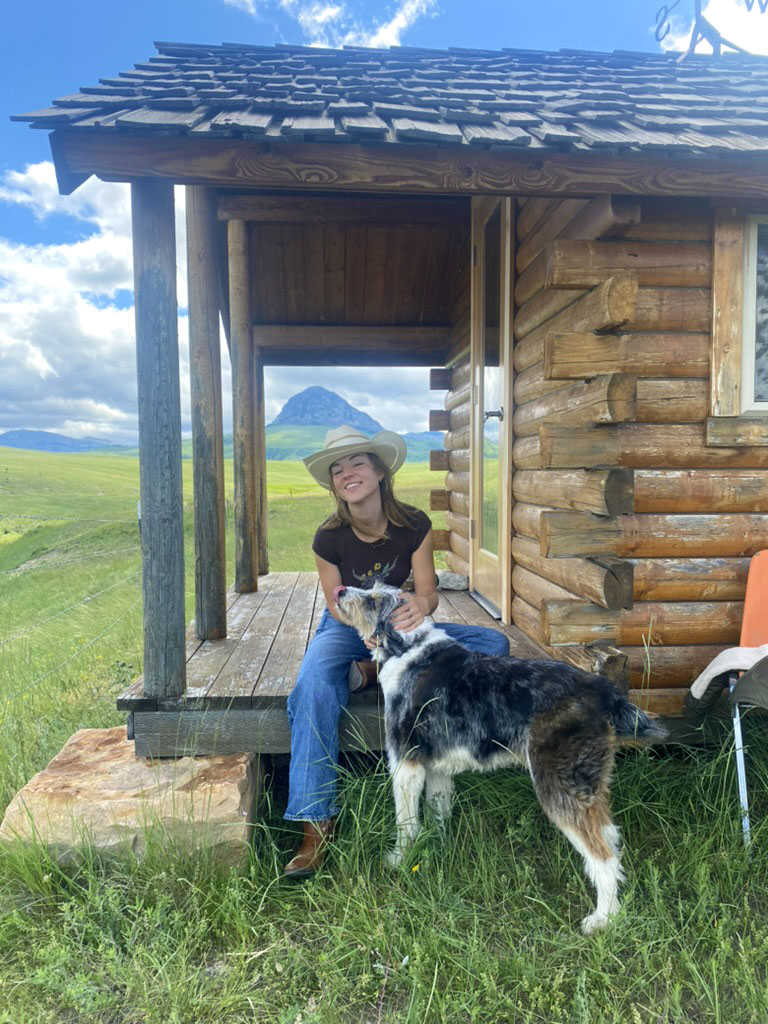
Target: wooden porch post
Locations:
point(243, 408)
point(207, 439)
point(157, 367)
point(260, 455)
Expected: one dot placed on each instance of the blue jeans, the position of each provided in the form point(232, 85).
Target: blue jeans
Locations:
point(315, 706)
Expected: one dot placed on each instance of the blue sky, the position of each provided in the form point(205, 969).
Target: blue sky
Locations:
point(66, 318)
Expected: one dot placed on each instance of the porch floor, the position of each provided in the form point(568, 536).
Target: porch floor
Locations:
point(268, 631)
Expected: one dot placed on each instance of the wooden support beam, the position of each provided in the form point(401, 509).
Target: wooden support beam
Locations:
point(350, 336)
point(674, 400)
point(566, 447)
point(458, 523)
point(737, 431)
point(456, 563)
point(681, 622)
point(457, 440)
point(727, 311)
point(599, 657)
point(609, 398)
point(604, 579)
point(440, 379)
point(605, 492)
point(439, 419)
point(691, 491)
point(658, 667)
point(458, 482)
point(574, 356)
point(720, 535)
point(260, 460)
point(563, 534)
point(443, 461)
point(439, 500)
point(159, 404)
point(690, 579)
point(578, 264)
point(243, 406)
point(634, 445)
point(603, 217)
point(409, 211)
point(441, 540)
point(459, 503)
point(535, 589)
point(207, 428)
point(406, 169)
point(672, 309)
point(575, 622)
point(606, 307)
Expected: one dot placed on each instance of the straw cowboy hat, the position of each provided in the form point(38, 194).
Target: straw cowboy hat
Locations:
point(341, 441)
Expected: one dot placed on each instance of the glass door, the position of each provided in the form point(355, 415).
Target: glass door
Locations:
point(490, 561)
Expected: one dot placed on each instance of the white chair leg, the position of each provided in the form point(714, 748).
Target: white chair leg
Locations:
point(741, 768)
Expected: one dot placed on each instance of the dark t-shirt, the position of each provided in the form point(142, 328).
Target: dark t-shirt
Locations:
point(362, 564)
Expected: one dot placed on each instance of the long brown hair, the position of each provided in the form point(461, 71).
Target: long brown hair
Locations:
point(396, 512)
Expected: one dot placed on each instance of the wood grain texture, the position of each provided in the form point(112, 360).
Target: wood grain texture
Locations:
point(343, 209)
point(609, 398)
point(206, 407)
point(159, 405)
point(606, 492)
point(681, 622)
point(668, 355)
point(668, 666)
point(737, 431)
point(727, 310)
point(578, 264)
point(690, 579)
point(605, 580)
point(701, 490)
point(447, 169)
point(606, 307)
point(243, 405)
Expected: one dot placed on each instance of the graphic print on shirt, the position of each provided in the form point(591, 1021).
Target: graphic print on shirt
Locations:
point(377, 574)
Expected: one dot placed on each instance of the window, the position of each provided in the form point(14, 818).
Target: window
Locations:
point(754, 344)
point(739, 365)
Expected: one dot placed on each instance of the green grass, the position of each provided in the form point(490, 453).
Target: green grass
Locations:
point(479, 926)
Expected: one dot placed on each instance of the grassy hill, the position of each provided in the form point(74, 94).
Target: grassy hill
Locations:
point(480, 925)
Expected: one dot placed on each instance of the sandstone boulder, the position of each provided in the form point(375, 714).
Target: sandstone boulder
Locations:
point(97, 791)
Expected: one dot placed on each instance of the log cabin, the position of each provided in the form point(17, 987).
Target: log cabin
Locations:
point(575, 244)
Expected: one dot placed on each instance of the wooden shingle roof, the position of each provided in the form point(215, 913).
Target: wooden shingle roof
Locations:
point(568, 100)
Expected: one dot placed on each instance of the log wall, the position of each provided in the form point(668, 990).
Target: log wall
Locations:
point(631, 534)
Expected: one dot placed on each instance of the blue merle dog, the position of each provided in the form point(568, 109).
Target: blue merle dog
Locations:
point(449, 710)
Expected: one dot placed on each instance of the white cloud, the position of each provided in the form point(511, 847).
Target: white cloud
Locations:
point(66, 337)
point(344, 22)
point(747, 29)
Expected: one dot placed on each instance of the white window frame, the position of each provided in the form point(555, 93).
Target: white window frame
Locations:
point(750, 407)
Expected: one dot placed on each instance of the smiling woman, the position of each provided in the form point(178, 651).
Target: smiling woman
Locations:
point(370, 538)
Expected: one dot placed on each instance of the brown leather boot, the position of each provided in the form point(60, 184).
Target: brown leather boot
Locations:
point(362, 674)
point(311, 854)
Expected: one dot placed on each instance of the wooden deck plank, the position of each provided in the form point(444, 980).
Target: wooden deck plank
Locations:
point(208, 662)
point(236, 682)
point(445, 611)
point(317, 614)
point(281, 667)
point(133, 699)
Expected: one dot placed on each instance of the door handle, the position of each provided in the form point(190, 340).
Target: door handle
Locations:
point(498, 413)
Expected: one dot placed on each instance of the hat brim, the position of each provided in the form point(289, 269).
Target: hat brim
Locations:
point(389, 447)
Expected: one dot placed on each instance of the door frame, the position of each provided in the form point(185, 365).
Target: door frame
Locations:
point(482, 569)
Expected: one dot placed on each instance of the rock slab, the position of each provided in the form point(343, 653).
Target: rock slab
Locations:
point(97, 792)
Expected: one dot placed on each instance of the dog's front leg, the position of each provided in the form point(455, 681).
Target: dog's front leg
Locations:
point(407, 784)
point(439, 795)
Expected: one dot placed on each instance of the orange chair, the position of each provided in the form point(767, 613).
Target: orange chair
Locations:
point(746, 670)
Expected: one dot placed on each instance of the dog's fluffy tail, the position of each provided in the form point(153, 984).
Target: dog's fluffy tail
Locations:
point(633, 724)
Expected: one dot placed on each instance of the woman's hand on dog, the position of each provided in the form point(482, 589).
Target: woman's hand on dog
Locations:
point(410, 614)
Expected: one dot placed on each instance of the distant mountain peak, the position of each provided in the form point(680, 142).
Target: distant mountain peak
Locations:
point(319, 407)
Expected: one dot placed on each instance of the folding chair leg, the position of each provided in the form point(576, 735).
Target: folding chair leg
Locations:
point(741, 768)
